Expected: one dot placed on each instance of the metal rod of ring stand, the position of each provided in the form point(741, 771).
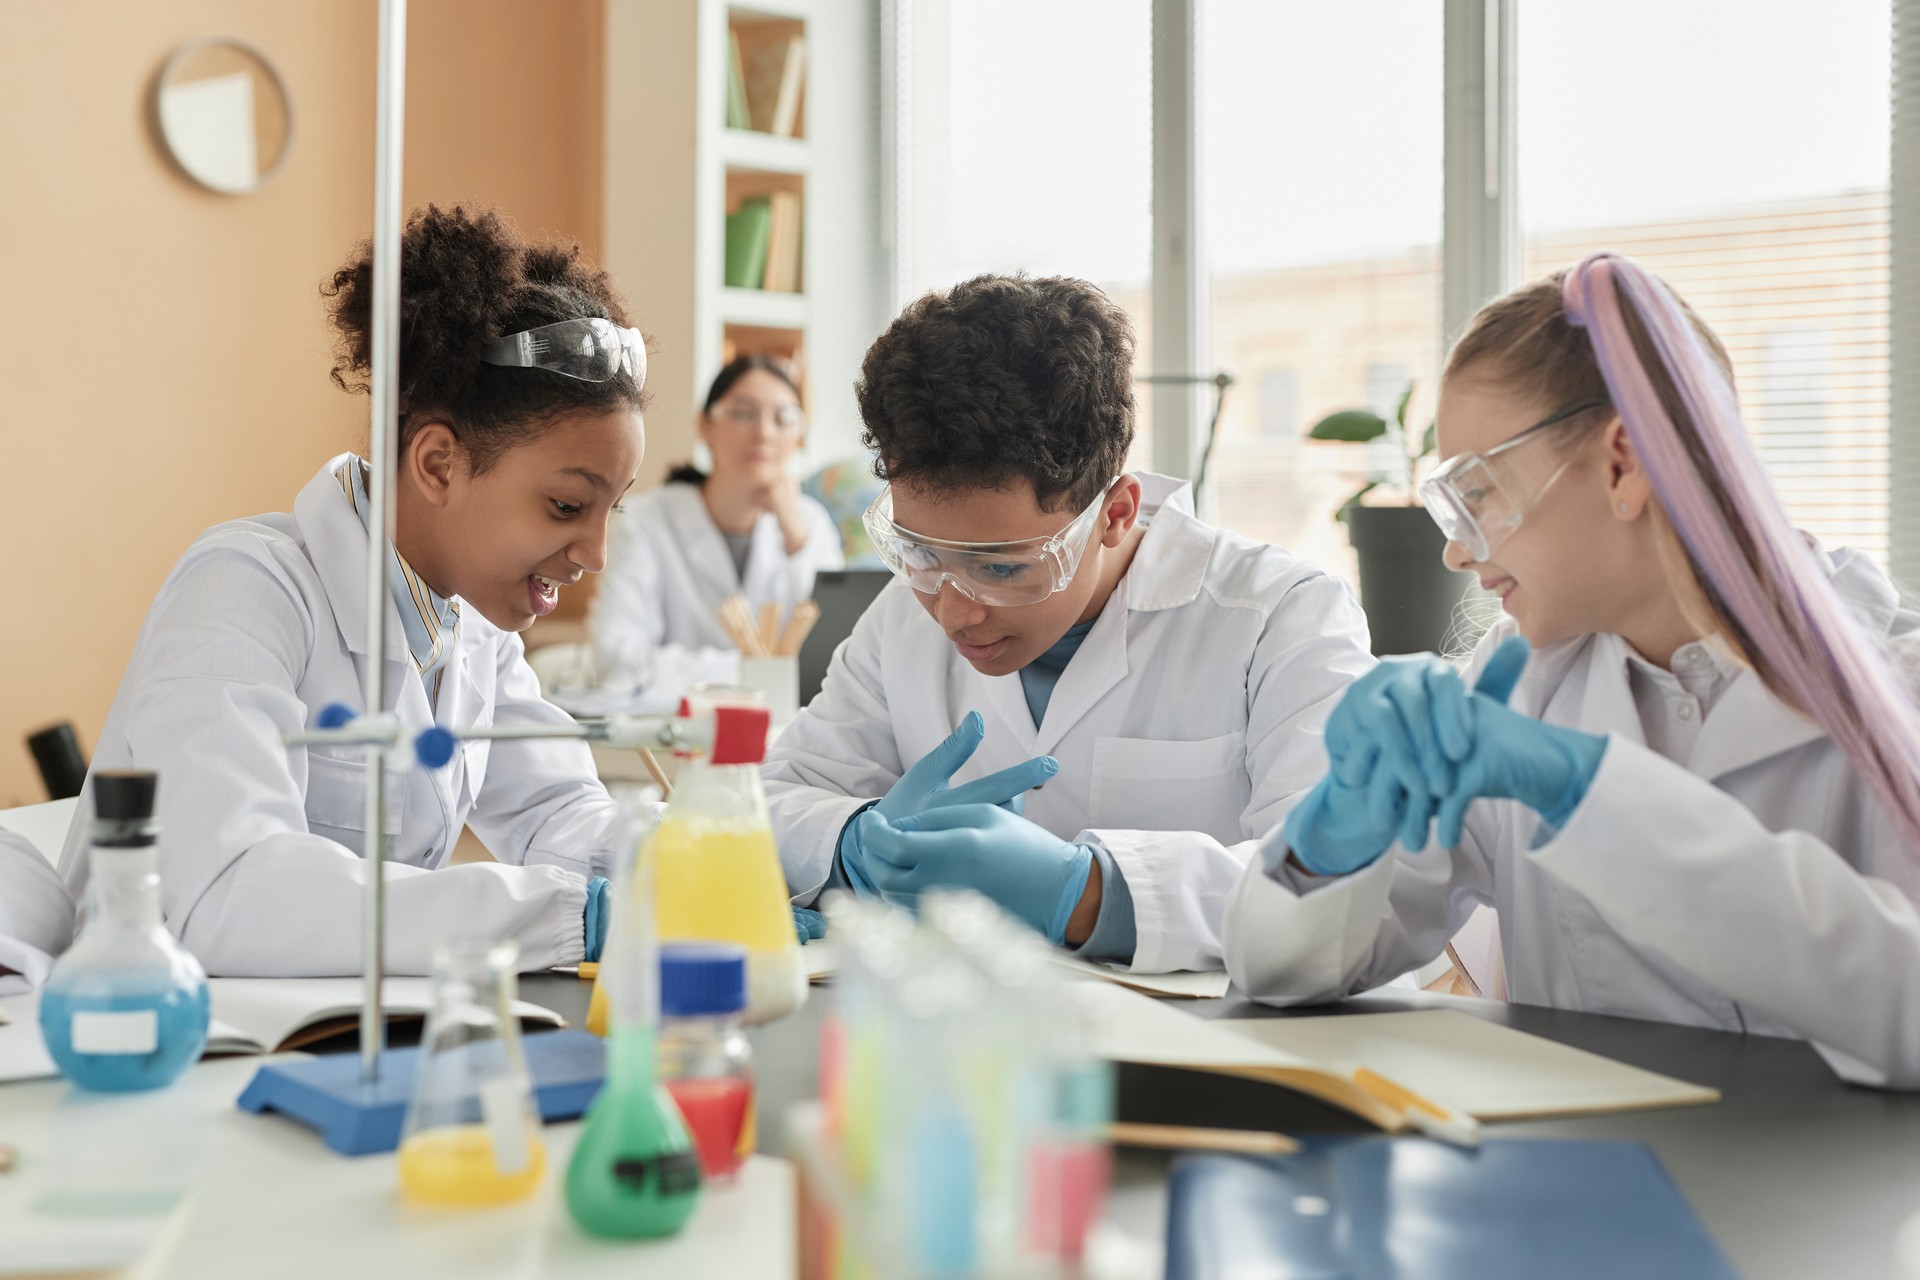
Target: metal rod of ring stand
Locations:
point(389, 131)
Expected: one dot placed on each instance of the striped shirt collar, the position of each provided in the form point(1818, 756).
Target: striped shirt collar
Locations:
point(430, 620)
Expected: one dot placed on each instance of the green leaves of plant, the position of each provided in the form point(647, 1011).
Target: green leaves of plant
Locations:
point(1354, 426)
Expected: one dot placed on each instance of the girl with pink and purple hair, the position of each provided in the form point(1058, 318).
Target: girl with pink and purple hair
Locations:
point(1684, 765)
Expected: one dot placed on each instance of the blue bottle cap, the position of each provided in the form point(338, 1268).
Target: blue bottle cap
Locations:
point(702, 979)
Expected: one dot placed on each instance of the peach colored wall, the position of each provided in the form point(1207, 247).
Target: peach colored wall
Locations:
point(163, 351)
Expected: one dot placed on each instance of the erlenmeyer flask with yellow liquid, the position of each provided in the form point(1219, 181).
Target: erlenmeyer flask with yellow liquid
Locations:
point(716, 874)
point(472, 1136)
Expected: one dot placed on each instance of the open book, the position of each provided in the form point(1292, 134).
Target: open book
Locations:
point(1367, 1063)
point(272, 1015)
point(823, 962)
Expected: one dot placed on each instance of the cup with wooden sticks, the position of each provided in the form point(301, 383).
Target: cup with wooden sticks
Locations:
point(770, 649)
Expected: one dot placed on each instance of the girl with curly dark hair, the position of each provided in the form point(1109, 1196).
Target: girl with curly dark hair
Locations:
point(521, 389)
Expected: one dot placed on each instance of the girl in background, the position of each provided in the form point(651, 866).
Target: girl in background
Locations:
point(744, 529)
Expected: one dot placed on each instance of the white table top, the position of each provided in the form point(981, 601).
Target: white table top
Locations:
point(265, 1197)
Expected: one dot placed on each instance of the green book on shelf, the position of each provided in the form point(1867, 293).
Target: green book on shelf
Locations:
point(737, 115)
point(748, 230)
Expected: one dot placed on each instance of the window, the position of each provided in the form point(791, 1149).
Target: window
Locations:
point(1322, 183)
point(1280, 405)
point(1765, 209)
point(1024, 143)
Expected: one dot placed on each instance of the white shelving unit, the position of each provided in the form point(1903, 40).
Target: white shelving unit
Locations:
point(667, 203)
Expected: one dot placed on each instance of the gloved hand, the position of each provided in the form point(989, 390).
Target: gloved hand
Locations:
point(1022, 866)
point(1546, 767)
point(1396, 738)
point(594, 917)
point(809, 925)
point(1335, 830)
point(925, 787)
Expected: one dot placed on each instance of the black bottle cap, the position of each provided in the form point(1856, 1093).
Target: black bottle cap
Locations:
point(124, 795)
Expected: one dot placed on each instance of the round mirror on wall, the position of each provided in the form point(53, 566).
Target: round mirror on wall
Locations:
point(223, 114)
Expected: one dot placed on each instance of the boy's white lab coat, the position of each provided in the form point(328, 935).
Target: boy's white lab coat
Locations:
point(260, 625)
point(669, 571)
point(1186, 726)
point(36, 914)
point(1763, 889)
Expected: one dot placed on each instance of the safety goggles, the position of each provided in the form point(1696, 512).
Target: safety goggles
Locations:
point(1479, 504)
point(590, 349)
point(1000, 575)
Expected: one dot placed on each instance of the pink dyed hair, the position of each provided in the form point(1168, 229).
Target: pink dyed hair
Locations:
point(1678, 406)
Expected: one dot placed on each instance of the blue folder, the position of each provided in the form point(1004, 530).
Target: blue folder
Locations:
point(1412, 1209)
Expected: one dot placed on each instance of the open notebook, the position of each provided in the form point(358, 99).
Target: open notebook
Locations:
point(1458, 1061)
point(272, 1015)
point(823, 962)
point(250, 1015)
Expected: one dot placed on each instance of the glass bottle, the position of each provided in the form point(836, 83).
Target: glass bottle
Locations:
point(634, 1174)
point(126, 1007)
point(472, 1136)
point(705, 1060)
point(717, 875)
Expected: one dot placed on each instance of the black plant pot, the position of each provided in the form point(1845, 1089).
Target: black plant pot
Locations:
point(1408, 594)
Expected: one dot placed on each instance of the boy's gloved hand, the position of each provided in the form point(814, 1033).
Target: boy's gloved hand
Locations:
point(1022, 866)
point(926, 786)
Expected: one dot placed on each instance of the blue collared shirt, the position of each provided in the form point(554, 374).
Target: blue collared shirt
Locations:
point(430, 620)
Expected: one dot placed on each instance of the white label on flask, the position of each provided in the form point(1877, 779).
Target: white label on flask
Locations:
point(506, 1118)
point(133, 1031)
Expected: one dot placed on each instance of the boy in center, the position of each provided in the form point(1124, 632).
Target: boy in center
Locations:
point(1077, 698)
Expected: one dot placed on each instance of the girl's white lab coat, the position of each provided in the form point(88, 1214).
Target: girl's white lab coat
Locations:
point(260, 625)
point(669, 570)
point(1186, 725)
point(1759, 888)
point(36, 914)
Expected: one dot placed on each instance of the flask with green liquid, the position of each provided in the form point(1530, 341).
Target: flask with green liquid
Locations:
point(634, 1173)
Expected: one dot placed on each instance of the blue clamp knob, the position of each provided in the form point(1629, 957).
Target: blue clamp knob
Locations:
point(435, 747)
point(335, 715)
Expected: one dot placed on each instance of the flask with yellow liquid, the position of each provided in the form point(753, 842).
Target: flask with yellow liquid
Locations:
point(472, 1136)
point(715, 872)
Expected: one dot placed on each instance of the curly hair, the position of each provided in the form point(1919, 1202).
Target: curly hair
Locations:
point(467, 279)
point(1003, 379)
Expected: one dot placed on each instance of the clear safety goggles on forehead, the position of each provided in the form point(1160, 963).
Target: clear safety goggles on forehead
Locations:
point(590, 349)
point(1477, 506)
point(998, 574)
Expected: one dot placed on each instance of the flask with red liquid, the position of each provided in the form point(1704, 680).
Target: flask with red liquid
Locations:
point(705, 1061)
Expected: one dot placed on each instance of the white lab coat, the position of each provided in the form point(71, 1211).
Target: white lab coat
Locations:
point(260, 625)
point(36, 914)
point(1186, 725)
point(655, 612)
point(1763, 889)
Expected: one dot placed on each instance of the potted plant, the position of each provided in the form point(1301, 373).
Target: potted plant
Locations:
point(1408, 593)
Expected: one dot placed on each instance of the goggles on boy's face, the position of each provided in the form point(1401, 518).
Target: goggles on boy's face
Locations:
point(590, 349)
point(1474, 504)
point(1001, 575)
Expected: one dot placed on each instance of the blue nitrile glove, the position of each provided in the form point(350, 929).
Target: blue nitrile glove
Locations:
point(595, 914)
point(1022, 866)
point(809, 925)
point(1397, 737)
point(925, 787)
point(1546, 767)
point(1336, 830)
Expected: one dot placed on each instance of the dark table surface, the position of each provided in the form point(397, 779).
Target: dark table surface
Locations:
point(1796, 1174)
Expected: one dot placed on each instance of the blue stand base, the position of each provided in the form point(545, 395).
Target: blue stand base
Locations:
point(326, 1093)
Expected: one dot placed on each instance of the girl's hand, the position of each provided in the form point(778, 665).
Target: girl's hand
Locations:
point(1397, 737)
point(782, 498)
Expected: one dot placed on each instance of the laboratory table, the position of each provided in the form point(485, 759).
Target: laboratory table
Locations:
point(1796, 1174)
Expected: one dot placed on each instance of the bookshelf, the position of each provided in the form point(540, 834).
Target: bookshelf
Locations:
point(670, 71)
